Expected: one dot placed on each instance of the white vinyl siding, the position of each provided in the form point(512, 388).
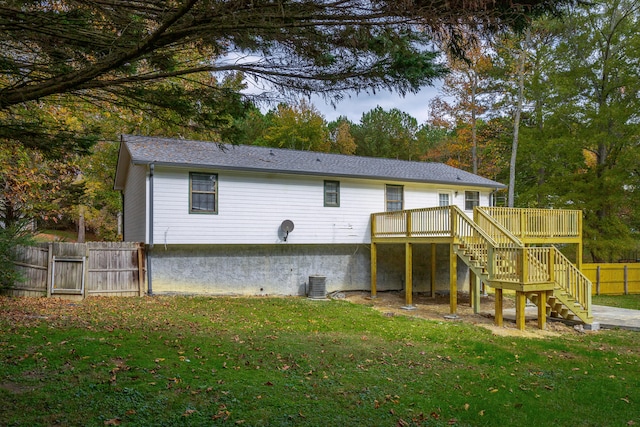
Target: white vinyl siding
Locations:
point(252, 206)
point(135, 205)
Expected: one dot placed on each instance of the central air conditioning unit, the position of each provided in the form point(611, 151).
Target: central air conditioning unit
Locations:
point(317, 287)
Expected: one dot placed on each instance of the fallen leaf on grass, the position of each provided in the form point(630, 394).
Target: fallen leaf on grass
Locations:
point(625, 399)
point(188, 412)
point(466, 406)
point(112, 422)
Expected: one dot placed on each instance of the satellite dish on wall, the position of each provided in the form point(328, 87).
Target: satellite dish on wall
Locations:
point(286, 227)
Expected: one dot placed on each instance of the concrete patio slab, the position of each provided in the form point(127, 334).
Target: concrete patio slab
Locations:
point(606, 317)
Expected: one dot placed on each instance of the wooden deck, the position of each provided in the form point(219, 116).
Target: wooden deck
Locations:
point(495, 245)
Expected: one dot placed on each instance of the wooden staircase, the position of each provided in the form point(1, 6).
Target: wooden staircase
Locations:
point(570, 297)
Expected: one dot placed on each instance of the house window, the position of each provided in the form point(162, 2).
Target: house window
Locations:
point(203, 192)
point(471, 200)
point(443, 199)
point(393, 195)
point(332, 193)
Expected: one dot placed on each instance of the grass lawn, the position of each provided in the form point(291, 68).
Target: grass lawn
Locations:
point(620, 301)
point(175, 361)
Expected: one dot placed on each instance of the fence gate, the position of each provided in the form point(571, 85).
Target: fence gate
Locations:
point(67, 275)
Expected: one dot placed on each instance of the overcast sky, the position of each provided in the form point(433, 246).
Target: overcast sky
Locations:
point(414, 105)
point(353, 107)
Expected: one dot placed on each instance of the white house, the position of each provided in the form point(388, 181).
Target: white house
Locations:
point(228, 219)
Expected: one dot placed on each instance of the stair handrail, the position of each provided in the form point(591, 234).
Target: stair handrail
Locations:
point(571, 279)
point(473, 237)
point(500, 233)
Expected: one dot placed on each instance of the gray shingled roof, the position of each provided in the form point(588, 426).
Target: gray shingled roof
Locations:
point(177, 152)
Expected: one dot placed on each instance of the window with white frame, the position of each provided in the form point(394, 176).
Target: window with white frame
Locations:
point(394, 197)
point(443, 199)
point(203, 192)
point(332, 193)
point(471, 200)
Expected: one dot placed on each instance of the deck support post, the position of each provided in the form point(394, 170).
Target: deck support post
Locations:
point(499, 315)
point(453, 280)
point(474, 291)
point(521, 298)
point(408, 265)
point(472, 288)
point(542, 309)
point(374, 270)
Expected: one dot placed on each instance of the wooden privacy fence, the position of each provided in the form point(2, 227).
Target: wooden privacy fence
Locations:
point(613, 278)
point(78, 270)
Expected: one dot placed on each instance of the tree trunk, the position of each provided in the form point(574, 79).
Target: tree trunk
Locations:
point(81, 236)
point(516, 120)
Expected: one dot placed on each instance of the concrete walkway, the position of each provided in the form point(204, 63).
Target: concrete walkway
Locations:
point(604, 317)
point(612, 317)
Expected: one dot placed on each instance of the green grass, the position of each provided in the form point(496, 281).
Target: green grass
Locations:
point(620, 301)
point(294, 362)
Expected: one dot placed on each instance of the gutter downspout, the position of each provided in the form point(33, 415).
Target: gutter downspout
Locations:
point(150, 244)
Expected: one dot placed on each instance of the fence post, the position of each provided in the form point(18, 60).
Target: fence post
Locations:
point(626, 280)
point(85, 291)
point(140, 270)
point(49, 267)
point(598, 280)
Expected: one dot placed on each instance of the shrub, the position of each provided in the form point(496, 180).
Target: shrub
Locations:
point(10, 238)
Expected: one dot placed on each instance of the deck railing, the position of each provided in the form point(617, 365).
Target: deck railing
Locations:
point(491, 242)
point(538, 223)
point(427, 222)
point(490, 238)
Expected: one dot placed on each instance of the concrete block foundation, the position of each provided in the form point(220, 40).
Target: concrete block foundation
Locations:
point(285, 269)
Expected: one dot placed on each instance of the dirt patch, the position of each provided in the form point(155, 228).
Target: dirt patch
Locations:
point(391, 302)
point(14, 388)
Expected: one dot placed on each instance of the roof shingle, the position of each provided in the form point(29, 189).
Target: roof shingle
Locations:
point(188, 153)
